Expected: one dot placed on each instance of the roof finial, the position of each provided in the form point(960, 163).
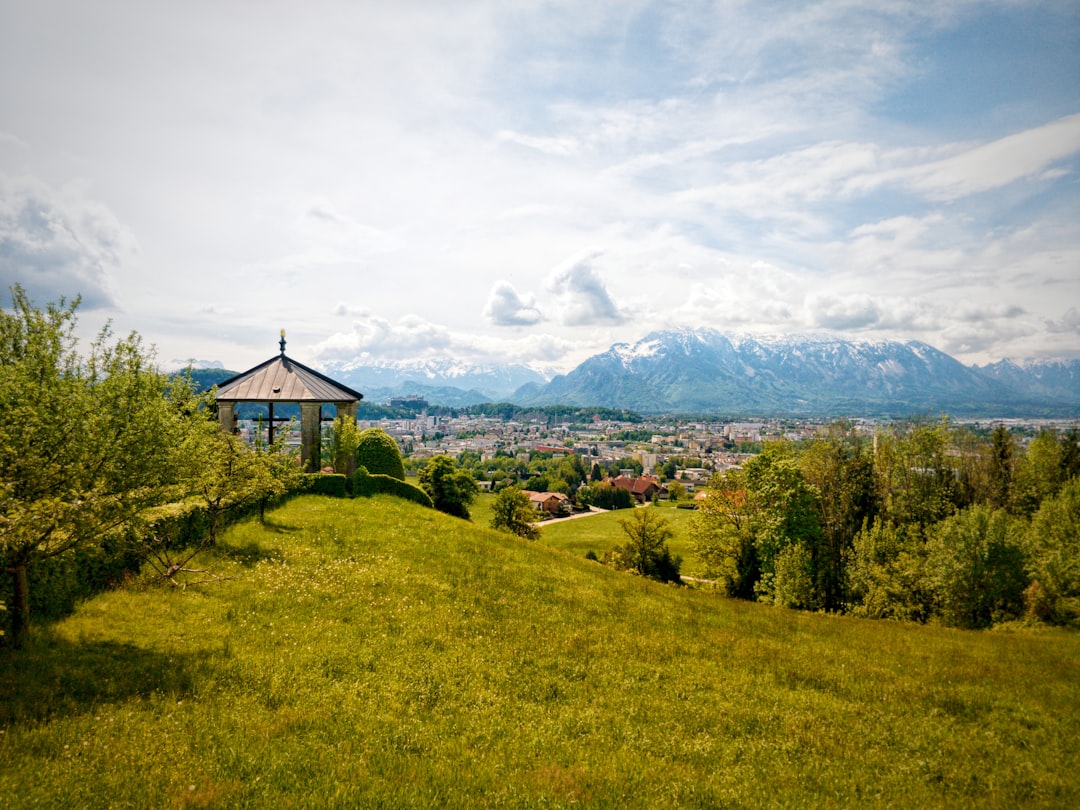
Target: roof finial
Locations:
point(282, 343)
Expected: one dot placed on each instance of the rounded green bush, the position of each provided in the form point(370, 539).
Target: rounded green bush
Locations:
point(379, 453)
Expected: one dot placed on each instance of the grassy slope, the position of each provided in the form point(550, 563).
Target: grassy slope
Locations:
point(373, 653)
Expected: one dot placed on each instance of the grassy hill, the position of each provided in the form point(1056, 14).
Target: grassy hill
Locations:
point(372, 653)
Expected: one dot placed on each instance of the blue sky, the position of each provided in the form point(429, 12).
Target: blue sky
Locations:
point(531, 182)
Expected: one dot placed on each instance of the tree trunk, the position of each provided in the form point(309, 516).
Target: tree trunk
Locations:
point(20, 613)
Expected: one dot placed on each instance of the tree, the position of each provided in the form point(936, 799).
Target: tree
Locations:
point(1052, 543)
point(722, 534)
point(646, 552)
point(377, 451)
point(841, 470)
point(676, 491)
point(344, 442)
point(1002, 452)
point(887, 573)
point(86, 442)
point(916, 477)
point(513, 512)
point(451, 490)
point(785, 512)
point(227, 475)
point(1039, 473)
point(975, 567)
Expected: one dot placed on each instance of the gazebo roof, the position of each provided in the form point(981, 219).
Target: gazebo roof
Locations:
point(282, 379)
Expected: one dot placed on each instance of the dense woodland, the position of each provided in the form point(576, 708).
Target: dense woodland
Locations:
point(927, 521)
point(108, 465)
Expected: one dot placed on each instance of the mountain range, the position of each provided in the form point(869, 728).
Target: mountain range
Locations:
point(705, 371)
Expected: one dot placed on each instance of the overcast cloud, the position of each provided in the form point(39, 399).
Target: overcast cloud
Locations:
point(529, 182)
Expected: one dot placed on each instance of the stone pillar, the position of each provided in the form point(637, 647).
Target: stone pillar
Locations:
point(226, 417)
point(310, 436)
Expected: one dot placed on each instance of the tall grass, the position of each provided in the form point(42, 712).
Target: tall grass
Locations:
point(373, 653)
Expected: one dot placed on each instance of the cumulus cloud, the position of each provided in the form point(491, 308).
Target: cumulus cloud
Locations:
point(581, 293)
point(506, 307)
point(1069, 323)
point(848, 312)
point(372, 340)
point(58, 242)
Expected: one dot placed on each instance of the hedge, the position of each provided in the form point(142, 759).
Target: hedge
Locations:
point(378, 453)
point(335, 485)
point(365, 484)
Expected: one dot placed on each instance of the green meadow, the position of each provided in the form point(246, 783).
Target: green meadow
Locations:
point(373, 653)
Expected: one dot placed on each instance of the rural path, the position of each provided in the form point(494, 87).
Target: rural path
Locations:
point(593, 510)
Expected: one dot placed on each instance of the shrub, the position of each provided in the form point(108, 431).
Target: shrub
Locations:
point(333, 484)
point(378, 453)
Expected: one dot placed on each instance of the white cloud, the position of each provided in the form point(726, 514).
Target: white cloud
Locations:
point(581, 293)
point(506, 307)
point(58, 242)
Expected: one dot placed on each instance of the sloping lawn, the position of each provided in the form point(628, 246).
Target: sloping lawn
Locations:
point(372, 653)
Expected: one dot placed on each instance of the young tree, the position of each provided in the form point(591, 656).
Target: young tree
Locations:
point(676, 491)
point(86, 443)
point(646, 552)
point(512, 512)
point(227, 475)
point(344, 441)
point(451, 490)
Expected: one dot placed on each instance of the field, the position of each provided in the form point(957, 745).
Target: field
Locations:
point(372, 653)
point(602, 532)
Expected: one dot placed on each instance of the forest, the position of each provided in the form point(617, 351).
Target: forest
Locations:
point(926, 521)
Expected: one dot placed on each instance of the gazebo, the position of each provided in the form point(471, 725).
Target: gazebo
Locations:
point(282, 380)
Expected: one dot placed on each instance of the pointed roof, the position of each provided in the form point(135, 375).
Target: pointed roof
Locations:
point(282, 379)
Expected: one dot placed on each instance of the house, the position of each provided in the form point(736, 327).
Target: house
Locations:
point(554, 503)
point(643, 488)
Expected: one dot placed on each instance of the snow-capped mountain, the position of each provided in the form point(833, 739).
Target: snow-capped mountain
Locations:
point(708, 371)
point(1051, 379)
point(478, 383)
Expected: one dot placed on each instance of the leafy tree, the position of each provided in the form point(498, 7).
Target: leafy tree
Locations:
point(377, 451)
point(596, 474)
point(785, 512)
point(722, 535)
point(975, 567)
point(676, 491)
point(1039, 473)
point(1070, 454)
point(513, 512)
point(604, 495)
point(1000, 467)
point(227, 475)
point(841, 470)
point(452, 490)
point(344, 442)
point(917, 479)
point(1052, 543)
point(86, 442)
point(887, 573)
point(646, 552)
